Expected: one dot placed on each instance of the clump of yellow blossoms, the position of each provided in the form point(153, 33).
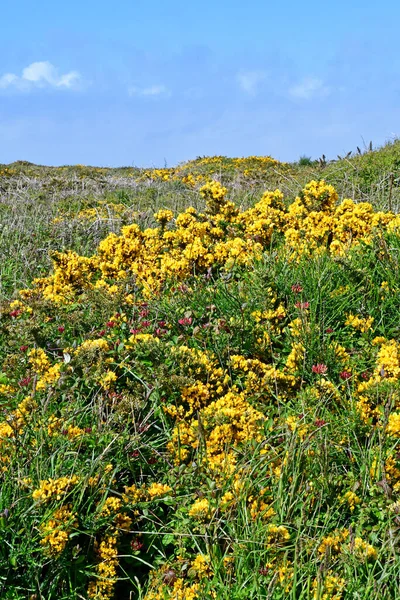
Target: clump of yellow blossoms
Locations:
point(213, 193)
point(340, 542)
point(164, 216)
point(102, 588)
point(201, 566)
point(200, 509)
point(331, 587)
point(167, 582)
point(359, 323)
point(178, 589)
point(56, 530)
point(108, 379)
point(221, 238)
point(54, 489)
point(351, 499)
point(393, 426)
point(157, 490)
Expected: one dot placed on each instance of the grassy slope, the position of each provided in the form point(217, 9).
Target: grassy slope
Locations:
point(317, 470)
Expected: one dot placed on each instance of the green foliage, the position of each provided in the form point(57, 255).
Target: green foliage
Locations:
point(305, 161)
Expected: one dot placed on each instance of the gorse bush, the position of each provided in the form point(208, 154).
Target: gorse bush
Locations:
point(206, 404)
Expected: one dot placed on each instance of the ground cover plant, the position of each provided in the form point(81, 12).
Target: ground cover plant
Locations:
point(199, 384)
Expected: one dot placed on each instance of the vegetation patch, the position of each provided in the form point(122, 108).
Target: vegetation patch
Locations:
point(200, 397)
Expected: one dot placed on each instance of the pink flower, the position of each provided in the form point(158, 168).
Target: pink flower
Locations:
point(319, 368)
point(136, 545)
point(296, 288)
point(159, 332)
point(302, 305)
point(345, 375)
point(185, 321)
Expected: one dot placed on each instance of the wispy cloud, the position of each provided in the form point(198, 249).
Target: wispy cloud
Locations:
point(151, 91)
point(39, 74)
point(250, 80)
point(309, 87)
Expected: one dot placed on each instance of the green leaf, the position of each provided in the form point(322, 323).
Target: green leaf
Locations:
point(168, 539)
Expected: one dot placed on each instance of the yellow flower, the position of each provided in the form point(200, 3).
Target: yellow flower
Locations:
point(359, 323)
point(108, 379)
point(156, 490)
point(200, 509)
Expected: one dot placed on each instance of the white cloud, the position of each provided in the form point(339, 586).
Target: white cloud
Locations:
point(309, 87)
point(250, 80)
point(153, 90)
point(39, 74)
point(7, 80)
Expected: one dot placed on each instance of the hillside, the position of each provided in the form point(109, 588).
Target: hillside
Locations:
point(199, 380)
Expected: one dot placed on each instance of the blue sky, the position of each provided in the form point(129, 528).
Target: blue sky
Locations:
point(151, 83)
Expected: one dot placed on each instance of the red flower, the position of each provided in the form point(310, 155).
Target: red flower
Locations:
point(296, 288)
point(159, 332)
point(329, 330)
point(25, 382)
point(111, 324)
point(185, 321)
point(144, 312)
point(24, 348)
point(319, 422)
point(345, 375)
point(319, 368)
point(136, 545)
point(302, 305)
point(61, 329)
point(102, 332)
point(15, 313)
